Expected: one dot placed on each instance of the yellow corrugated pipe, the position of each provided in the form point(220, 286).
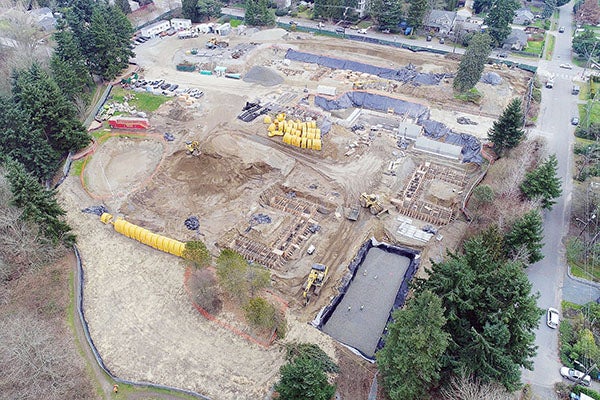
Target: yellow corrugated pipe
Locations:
point(144, 236)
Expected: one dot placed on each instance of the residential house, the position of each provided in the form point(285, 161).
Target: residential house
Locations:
point(464, 14)
point(517, 40)
point(180, 24)
point(439, 21)
point(523, 17)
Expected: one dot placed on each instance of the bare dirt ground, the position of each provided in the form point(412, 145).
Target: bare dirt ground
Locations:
point(139, 315)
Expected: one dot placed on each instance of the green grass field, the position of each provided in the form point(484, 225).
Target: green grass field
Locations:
point(534, 47)
point(594, 112)
point(142, 101)
point(551, 41)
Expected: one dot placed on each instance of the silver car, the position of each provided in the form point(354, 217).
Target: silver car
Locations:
point(552, 318)
point(575, 376)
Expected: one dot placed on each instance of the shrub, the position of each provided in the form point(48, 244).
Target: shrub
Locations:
point(196, 252)
point(203, 287)
point(263, 315)
point(295, 350)
point(280, 12)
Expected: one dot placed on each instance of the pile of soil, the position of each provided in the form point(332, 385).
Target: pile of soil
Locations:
point(263, 76)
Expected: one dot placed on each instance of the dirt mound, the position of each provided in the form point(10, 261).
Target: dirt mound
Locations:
point(263, 76)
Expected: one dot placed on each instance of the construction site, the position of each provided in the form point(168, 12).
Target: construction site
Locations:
point(338, 165)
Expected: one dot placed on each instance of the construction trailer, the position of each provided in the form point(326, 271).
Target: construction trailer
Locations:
point(181, 23)
point(128, 123)
point(156, 28)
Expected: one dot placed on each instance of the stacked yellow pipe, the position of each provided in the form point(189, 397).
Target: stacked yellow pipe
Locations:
point(305, 135)
point(144, 236)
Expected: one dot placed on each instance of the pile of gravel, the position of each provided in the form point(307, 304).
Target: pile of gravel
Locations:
point(263, 76)
point(491, 78)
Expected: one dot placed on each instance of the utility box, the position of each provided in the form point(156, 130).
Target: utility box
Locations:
point(575, 89)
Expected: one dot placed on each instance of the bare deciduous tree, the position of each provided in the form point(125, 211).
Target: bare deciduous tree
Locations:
point(468, 388)
point(37, 361)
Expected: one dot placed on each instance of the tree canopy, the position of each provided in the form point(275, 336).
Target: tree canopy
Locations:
point(238, 278)
point(304, 379)
point(543, 183)
point(586, 44)
point(499, 19)
point(588, 12)
point(387, 13)
point(472, 62)
point(506, 133)
point(525, 237)
point(258, 13)
point(411, 359)
point(490, 311)
point(416, 13)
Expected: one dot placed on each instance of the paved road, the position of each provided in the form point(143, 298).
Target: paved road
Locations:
point(549, 277)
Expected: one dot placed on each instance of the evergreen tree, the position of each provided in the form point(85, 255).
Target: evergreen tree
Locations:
point(416, 13)
point(69, 66)
point(36, 93)
point(549, 7)
point(303, 379)
point(387, 13)
point(499, 19)
point(543, 183)
point(472, 62)
point(526, 234)
point(38, 204)
point(110, 33)
point(25, 143)
point(123, 6)
point(490, 311)
point(189, 9)
point(410, 361)
point(250, 15)
point(586, 44)
point(506, 132)
point(208, 9)
point(480, 6)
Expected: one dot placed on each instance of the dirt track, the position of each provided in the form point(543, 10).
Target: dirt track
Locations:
point(140, 317)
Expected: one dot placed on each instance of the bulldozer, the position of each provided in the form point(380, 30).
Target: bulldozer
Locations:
point(314, 281)
point(193, 148)
point(371, 201)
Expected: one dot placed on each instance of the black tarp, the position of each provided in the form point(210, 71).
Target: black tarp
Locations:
point(373, 101)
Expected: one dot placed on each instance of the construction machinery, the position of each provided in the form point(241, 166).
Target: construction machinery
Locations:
point(371, 201)
point(314, 281)
point(193, 148)
point(215, 42)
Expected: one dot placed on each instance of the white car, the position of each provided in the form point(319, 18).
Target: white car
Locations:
point(552, 318)
point(566, 66)
point(362, 31)
point(575, 376)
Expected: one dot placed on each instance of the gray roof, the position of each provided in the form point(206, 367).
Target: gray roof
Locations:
point(516, 36)
point(440, 19)
point(524, 12)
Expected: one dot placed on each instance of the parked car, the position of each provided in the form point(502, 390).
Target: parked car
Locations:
point(428, 38)
point(575, 376)
point(340, 29)
point(164, 86)
point(442, 40)
point(561, 29)
point(173, 87)
point(575, 121)
point(362, 31)
point(566, 66)
point(503, 54)
point(552, 318)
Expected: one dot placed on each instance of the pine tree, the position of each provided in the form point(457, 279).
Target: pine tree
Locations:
point(250, 13)
point(549, 7)
point(472, 62)
point(123, 6)
point(388, 14)
point(499, 19)
point(490, 311)
point(526, 235)
point(69, 66)
point(189, 9)
point(36, 93)
point(586, 44)
point(543, 183)
point(506, 132)
point(303, 379)
point(25, 143)
point(416, 13)
point(38, 204)
point(415, 342)
point(208, 9)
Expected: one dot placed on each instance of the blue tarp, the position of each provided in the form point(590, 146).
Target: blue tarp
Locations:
point(373, 101)
point(406, 74)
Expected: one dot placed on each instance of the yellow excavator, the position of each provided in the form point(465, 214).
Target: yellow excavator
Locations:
point(371, 201)
point(215, 42)
point(314, 282)
point(193, 148)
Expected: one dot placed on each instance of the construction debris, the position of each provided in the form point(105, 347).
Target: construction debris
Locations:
point(192, 223)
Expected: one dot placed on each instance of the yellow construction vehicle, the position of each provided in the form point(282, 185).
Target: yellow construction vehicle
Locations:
point(193, 148)
point(215, 42)
point(314, 282)
point(371, 201)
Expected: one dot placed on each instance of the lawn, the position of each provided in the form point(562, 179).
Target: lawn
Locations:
point(534, 47)
point(550, 46)
point(594, 112)
point(142, 101)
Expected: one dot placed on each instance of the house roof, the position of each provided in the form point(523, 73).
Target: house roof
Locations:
point(524, 12)
point(516, 36)
point(440, 18)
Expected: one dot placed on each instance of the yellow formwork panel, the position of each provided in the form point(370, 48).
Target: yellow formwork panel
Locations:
point(271, 127)
point(151, 239)
point(267, 119)
point(316, 144)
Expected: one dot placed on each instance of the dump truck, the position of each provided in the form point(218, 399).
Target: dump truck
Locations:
point(314, 282)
